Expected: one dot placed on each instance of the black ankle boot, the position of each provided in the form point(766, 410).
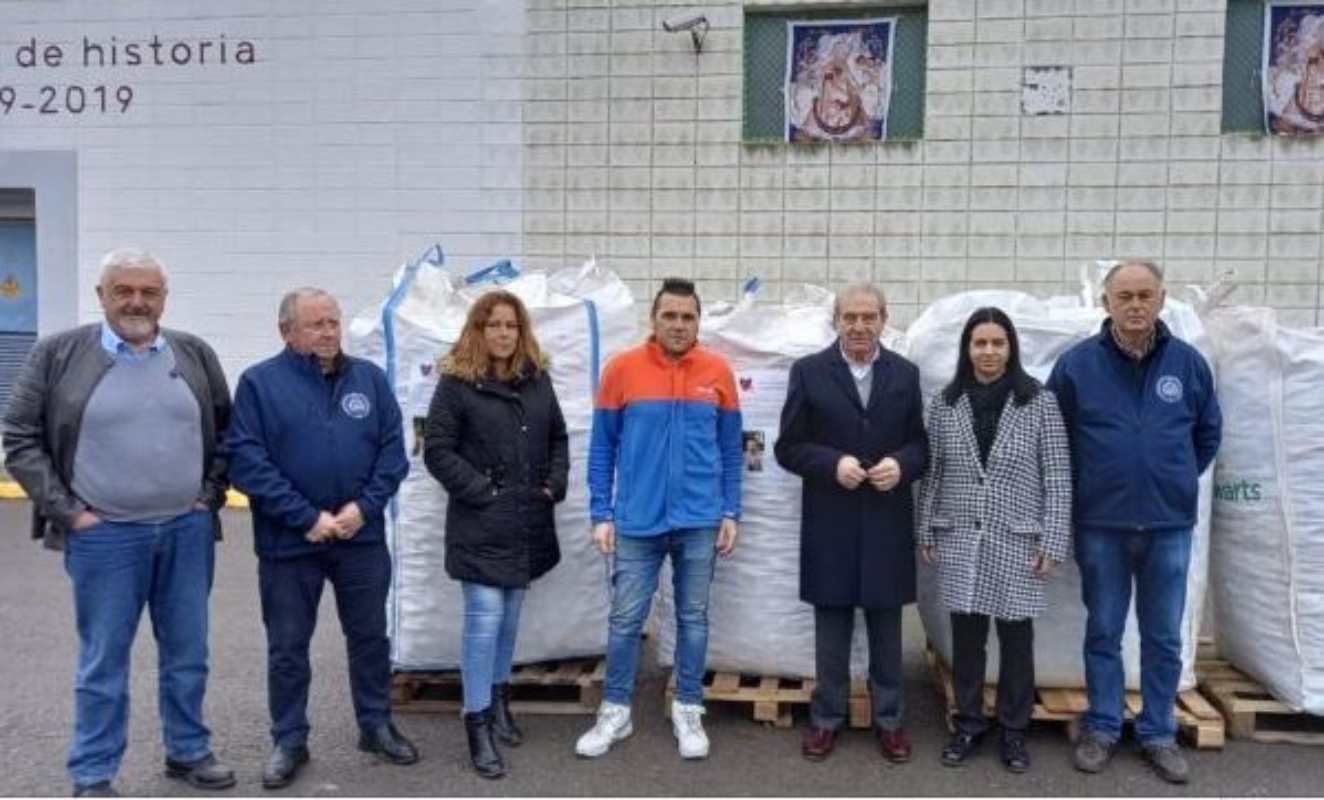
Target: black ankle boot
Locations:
point(503, 724)
point(482, 749)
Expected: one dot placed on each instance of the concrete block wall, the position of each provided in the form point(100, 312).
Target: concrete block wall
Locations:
point(632, 152)
point(364, 132)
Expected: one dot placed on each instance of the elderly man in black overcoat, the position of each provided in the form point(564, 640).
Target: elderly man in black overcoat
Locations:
point(853, 429)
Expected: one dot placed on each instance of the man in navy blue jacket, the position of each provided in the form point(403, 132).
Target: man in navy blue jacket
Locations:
point(315, 443)
point(1140, 408)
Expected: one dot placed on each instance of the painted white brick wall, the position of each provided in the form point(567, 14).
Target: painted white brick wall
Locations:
point(365, 132)
point(557, 129)
point(989, 198)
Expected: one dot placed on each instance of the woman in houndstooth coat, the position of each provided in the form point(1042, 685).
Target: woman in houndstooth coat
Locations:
point(994, 518)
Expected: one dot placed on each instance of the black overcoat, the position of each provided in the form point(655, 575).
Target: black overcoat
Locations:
point(495, 446)
point(857, 547)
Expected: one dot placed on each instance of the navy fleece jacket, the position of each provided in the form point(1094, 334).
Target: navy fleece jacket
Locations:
point(1141, 432)
point(301, 443)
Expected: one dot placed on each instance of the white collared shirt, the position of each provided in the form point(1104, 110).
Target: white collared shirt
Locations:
point(862, 372)
point(860, 369)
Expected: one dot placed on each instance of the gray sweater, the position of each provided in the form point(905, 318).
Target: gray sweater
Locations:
point(139, 456)
point(41, 425)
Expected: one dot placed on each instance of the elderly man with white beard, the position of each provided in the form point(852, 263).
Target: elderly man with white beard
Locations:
point(112, 431)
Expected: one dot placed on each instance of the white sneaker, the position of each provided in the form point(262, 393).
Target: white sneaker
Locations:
point(613, 725)
point(687, 724)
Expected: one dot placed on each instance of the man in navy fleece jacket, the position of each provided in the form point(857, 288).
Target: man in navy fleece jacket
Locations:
point(316, 444)
point(1144, 423)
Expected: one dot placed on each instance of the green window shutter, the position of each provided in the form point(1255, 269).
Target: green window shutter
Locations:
point(765, 68)
point(1243, 58)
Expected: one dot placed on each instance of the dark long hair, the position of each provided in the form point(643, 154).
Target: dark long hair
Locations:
point(1023, 386)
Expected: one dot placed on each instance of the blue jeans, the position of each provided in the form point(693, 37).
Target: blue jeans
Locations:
point(291, 591)
point(491, 620)
point(633, 582)
point(1157, 561)
point(116, 568)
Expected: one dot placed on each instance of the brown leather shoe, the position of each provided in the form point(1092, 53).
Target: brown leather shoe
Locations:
point(895, 745)
point(817, 743)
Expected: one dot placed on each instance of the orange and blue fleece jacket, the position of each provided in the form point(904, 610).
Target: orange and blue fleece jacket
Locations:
point(666, 437)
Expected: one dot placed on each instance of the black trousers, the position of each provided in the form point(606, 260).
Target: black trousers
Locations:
point(1015, 672)
point(834, 628)
point(291, 592)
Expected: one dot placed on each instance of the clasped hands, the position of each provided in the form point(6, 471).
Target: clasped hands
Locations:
point(344, 524)
point(883, 476)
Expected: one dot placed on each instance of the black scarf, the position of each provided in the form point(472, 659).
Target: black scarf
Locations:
point(986, 403)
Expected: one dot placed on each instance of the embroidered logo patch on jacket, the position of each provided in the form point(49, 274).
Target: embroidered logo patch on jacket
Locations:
point(356, 405)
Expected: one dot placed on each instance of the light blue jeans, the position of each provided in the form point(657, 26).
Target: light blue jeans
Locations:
point(633, 582)
point(116, 569)
point(491, 621)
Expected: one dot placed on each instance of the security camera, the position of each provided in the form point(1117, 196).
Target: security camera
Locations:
point(696, 25)
point(685, 23)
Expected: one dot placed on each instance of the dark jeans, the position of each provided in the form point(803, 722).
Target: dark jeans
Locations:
point(1015, 672)
point(291, 592)
point(1157, 562)
point(833, 629)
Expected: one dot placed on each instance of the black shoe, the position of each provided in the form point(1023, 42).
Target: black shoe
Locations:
point(1015, 756)
point(960, 747)
point(388, 743)
point(283, 766)
point(205, 773)
point(98, 789)
point(503, 724)
point(482, 749)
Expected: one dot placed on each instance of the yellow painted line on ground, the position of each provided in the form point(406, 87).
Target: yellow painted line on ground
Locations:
point(9, 490)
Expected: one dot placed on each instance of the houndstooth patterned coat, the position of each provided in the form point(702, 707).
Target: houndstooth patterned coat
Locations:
point(989, 523)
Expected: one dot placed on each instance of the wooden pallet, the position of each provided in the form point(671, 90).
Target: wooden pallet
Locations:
point(1252, 713)
point(772, 699)
point(1197, 721)
point(569, 686)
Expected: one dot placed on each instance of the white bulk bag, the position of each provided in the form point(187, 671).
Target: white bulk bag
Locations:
point(1047, 328)
point(756, 620)
point(580, 316)
point(1267, 557)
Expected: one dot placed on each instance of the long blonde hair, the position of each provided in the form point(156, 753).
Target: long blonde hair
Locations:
point(469, 359)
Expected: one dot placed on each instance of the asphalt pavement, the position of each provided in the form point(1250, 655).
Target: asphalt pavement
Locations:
point(37, 652)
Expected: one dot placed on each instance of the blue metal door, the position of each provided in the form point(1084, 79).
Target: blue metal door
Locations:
point(18, 299)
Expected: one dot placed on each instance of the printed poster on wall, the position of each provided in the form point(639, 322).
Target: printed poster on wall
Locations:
point(1293, 68)
point(838, 79)
point(762, 395)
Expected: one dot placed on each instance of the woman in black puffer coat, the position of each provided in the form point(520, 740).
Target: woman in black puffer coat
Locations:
point(496, 441)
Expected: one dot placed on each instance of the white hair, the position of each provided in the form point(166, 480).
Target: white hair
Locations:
point(289, 303)
point(859, 288)
point(1154, 269)
point(130, 258)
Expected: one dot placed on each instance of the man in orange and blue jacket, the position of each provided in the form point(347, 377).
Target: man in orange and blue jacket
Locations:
point(666, 437)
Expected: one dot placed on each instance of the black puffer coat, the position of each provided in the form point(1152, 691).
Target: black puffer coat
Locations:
point(495, 447)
